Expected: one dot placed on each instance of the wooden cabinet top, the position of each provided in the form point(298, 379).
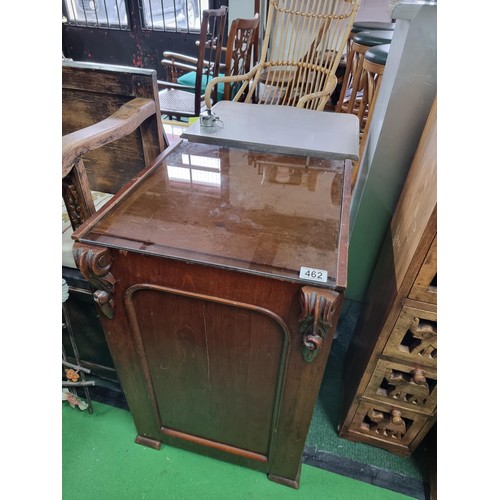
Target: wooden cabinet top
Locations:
point(254, 212)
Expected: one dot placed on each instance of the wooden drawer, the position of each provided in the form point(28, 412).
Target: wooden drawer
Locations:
point(388, 426)
point(414, 337)
point(425, 286)
point(407, 386)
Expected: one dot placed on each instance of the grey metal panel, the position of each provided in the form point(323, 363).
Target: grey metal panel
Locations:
point(405, 98)
point(280, 129)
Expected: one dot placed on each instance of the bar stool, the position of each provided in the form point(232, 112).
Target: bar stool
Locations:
point(373, 70)
point(350, 92)
point(359, 26)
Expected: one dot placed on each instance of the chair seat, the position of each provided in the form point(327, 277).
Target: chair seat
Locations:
point(189, 79)
point(378, 54)
point(374, 37)
point(371, 25)
point(174, 101)
point(67, 242)
point(283, 75)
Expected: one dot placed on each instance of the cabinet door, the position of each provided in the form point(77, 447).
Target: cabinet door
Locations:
point(215, 368)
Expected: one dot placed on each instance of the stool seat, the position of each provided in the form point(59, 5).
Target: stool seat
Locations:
point(378, 54)
point(371, 25)
point(372, 38)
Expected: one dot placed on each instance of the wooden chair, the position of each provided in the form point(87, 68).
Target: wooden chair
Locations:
point(241, 47)
point(300, 53)
point(181, 94)
point(112, 130)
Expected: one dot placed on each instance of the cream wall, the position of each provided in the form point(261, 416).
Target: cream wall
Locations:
point(240, 8)
point(369, 10)
point(373, 10)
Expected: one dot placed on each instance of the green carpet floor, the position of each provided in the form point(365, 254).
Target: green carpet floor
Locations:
point(100, 455)
point(100, 461)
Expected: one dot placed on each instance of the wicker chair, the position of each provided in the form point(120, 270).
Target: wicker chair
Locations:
point(300, 53)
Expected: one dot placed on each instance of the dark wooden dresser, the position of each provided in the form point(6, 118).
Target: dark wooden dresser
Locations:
point(219, 338)
point(390, 379)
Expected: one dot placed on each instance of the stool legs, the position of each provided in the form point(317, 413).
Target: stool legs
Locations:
point(372, 78)
point(352, 79)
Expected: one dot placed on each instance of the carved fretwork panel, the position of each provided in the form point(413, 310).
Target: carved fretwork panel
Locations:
point(240, 60)
point(414, 388)
point(414, 337)
point(421, 339)
point(388, 423)
point(240, 50)
point(317, 312)
point(390, 370)
point(95, 263)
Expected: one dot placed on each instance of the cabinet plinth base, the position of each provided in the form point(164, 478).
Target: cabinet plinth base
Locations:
point(292, 483)
point(150, 443)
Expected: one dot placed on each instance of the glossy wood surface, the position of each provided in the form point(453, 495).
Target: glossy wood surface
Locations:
point(257, 212)
point(220, 347)
point(198, 354)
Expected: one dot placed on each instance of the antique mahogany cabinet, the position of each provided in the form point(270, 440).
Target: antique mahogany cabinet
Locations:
point(390, 380)
point(220, 274)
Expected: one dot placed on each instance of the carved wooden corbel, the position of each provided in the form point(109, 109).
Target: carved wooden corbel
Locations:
point(317, 310)
point(94, 263)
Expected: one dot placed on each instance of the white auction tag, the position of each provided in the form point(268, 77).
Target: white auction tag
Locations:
point(309, 273)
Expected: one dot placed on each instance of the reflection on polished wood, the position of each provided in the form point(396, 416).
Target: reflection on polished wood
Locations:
point(211, 205)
